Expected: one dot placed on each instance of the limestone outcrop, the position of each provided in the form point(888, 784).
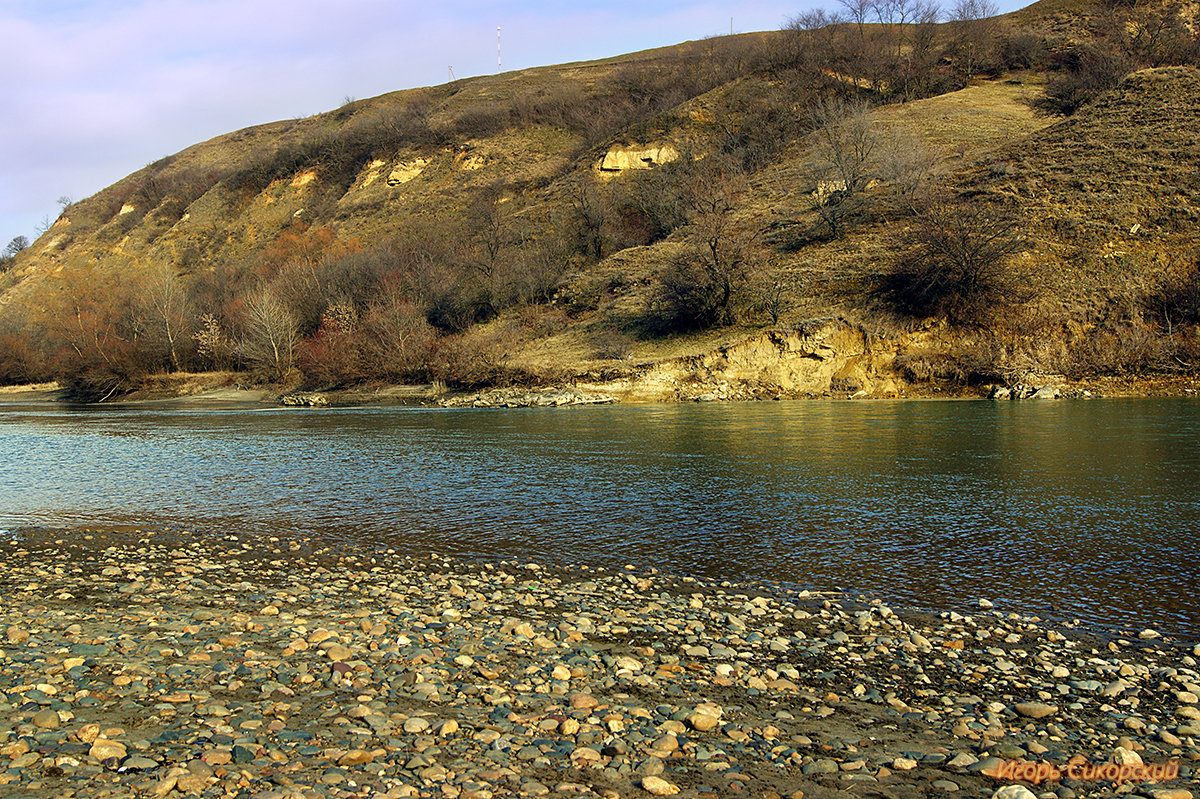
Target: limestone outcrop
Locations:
point(622, 158)
point(406, 171)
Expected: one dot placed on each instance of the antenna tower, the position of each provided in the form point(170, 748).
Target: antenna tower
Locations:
point(497, 48)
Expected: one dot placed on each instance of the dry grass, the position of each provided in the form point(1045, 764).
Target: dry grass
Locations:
point(974, 121)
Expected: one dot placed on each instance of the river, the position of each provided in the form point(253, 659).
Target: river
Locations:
point(1067, 509)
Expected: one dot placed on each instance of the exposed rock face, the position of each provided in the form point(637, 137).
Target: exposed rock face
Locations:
point(406, 171)
point(826, 189)
point(304, 399)
point(372, 172)
point(516, 398)
point(832, 358)
point(619, 158)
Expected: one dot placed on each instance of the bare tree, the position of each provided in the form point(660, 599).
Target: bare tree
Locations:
point(859, 11)
point(271, 333)
point(967, 10)
point(491, 232)
point(702, 287)
point(814, 20)
point(972, 23)
point(906, 162)
point(591, 211)
point(167, 304)
point(813, 39)
point(12, 250)
point(843, 160)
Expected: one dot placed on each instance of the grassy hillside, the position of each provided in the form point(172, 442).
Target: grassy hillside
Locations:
point(832, 207)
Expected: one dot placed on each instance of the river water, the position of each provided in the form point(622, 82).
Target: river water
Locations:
point(1067, 509)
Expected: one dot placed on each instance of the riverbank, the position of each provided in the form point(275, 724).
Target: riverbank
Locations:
point(234, 388)
point(157, 664)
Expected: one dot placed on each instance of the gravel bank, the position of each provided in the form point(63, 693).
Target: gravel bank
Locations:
point(136, 664)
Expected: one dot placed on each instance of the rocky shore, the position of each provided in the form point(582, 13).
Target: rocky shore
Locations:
point(163, 664)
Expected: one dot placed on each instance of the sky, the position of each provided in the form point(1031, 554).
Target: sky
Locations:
point(94, 90)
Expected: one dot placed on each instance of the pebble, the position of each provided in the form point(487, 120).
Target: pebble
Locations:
point(46, 719)
point(264, 671)
point(1125, 756)
point(1014, 792)
point(104, 749)
point(1035, 710)
point(416, 725)
point(657, 786)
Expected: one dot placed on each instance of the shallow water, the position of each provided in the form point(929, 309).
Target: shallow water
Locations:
point(1086, 510)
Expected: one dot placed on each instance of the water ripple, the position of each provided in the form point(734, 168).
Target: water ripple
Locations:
point(1087, 510)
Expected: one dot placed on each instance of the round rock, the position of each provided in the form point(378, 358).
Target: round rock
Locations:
point(657, 786)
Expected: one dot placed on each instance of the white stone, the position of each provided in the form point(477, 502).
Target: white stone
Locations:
point(1126, 757)
point(1014, 792)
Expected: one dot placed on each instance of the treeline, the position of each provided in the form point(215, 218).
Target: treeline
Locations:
point(310, 307)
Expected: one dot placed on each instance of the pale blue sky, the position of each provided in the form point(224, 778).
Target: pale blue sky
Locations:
point(95, 90)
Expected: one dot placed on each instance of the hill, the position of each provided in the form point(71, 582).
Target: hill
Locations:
point(835, 208)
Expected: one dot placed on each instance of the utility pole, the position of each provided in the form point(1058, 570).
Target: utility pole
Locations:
point(497, 48)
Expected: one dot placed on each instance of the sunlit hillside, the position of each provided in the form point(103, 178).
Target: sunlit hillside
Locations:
point(870, 207)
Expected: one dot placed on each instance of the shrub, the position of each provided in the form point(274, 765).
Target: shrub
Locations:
point(1089, 70)
point(1176, 301)
point(1129, 346)
point(957, 266)
point(1023, 49)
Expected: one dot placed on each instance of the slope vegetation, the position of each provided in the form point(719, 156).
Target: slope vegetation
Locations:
point(833, 208)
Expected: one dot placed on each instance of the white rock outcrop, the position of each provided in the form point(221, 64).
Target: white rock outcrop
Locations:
point(620, 158)
point(406, 171)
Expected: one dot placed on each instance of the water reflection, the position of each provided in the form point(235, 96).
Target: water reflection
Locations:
point(1070, 509)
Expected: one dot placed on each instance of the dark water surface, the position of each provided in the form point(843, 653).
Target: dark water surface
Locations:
point(1086, 510)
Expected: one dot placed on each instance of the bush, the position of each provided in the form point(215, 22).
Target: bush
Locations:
point(1176, 301)
point(1089, 70)
point(1126, 347)
point(957, 266)
point(1023, 49)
